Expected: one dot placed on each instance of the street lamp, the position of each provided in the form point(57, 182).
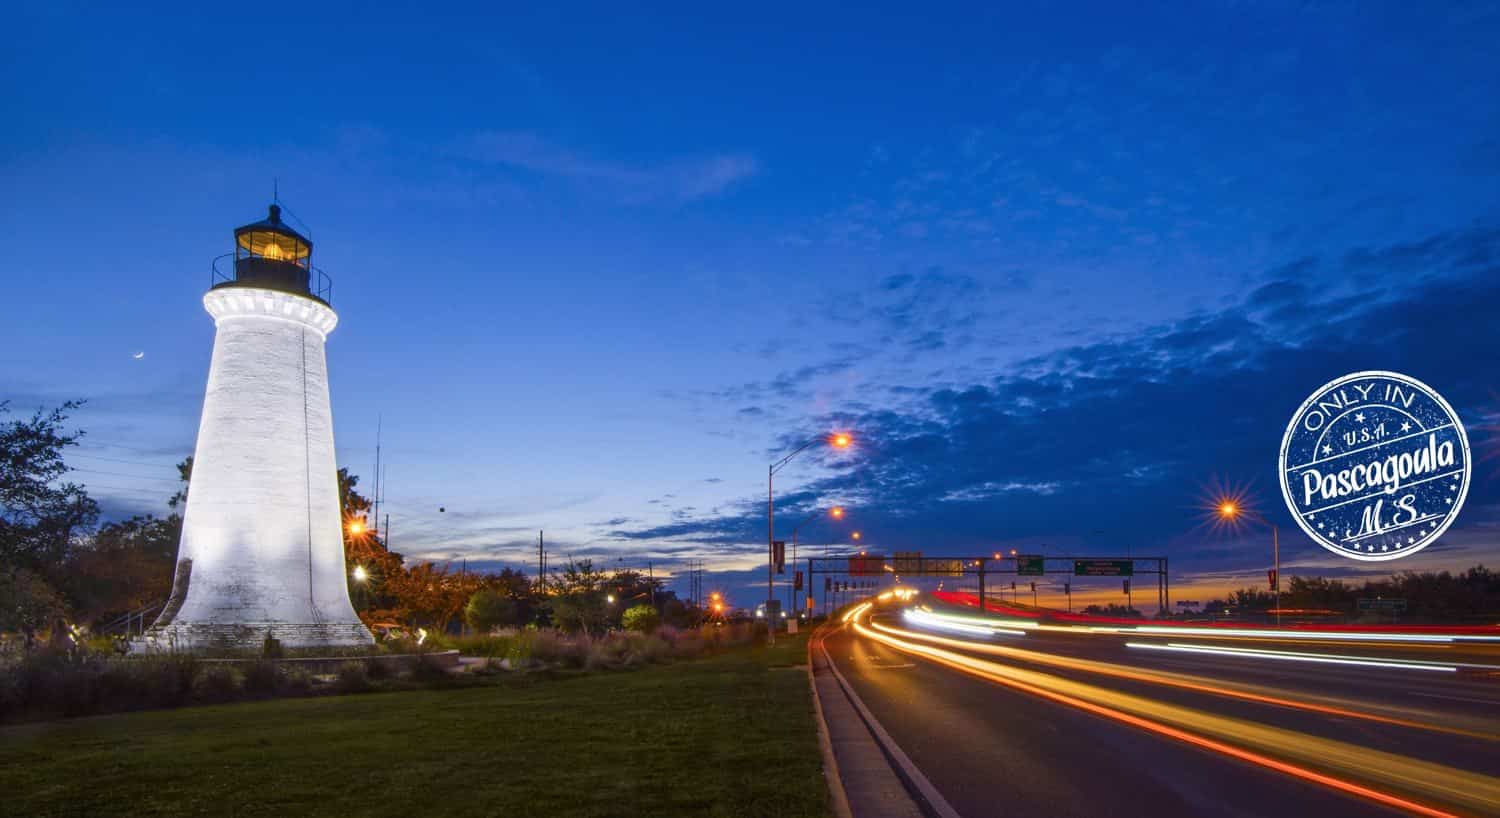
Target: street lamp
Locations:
point(360, 574)
point(1232, 512)
point(837, 513)
point(838, 440)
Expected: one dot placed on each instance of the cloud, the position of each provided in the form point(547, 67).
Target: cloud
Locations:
point(1111, 443)
point(685, 179)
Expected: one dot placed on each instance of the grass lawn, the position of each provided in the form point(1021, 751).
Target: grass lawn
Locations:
point(728, 735)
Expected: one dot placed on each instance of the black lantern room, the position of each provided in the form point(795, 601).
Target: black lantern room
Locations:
point(272, 255)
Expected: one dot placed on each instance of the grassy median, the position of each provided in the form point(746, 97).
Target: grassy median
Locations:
point(728, 735)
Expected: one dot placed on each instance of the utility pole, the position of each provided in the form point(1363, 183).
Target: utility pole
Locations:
point(770, 550)
point(376, 493)
point(541, 563)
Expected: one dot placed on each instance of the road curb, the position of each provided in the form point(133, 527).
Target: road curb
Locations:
point(831, 775)
point(924, 796)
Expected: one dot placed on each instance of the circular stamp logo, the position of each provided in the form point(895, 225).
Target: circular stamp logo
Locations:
point(1375, 465)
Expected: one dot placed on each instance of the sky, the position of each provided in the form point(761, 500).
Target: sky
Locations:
point(1061, 271)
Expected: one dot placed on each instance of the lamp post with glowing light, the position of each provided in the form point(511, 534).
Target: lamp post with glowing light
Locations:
point(838, 440)
point(837, 513)
point(1232, 511)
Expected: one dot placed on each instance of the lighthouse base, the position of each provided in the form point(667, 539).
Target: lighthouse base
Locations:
point(191, 636)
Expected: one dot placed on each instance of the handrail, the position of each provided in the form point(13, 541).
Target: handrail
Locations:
point(319, 286)
point(126, 619)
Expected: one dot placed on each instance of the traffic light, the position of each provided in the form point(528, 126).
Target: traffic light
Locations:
point(797, 581)
point(1272, 575)
point(827, 583)
point(778, 555)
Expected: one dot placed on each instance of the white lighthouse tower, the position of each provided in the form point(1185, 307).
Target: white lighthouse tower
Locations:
point(262, 548)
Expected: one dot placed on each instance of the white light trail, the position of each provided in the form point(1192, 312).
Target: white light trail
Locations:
point(1290, 656)
point(928, 619)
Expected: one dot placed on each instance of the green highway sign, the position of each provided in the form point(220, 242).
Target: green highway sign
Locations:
point(1030, 565)
point(1103, 568)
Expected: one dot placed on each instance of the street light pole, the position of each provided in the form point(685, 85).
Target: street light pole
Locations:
point(771, 546)
point(1230, 510)
point(1276, 566)
point(838, 440)
point(837, 512)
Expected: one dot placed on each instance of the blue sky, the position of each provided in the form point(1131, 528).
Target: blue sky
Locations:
point(1059, 270)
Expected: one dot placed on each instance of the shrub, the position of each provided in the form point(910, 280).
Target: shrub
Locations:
point(495, 645)
point(350, 678)
point(611, 651)
point(427, 672)
point(688, 645)
point(489, 609)
point(294, 680)
point(554, 646)
point(376, 670)
point(218, 683)
point(261, 678)
point(519, 653)
point(655, 650)
point(641, 618)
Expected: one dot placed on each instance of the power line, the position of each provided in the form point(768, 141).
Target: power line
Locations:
point(123, 489)
point(118, 460)
point(140, 450)
point(126, 474)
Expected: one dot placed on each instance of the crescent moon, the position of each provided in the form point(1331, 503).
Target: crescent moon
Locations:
point(139, 355)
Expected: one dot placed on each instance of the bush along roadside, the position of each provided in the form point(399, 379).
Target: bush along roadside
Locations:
point(47, 684)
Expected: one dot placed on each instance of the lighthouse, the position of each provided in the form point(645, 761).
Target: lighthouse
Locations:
point(262, 551)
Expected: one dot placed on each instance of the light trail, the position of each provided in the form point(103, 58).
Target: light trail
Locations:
point(1197, 684)
point(1292, 656)
point(929, 620)
point(1252, 742)
point(1432, 635)
point(1337, 636)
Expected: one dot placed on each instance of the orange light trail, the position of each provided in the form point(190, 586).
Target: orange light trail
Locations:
point(1468, 786)
point(1178, 681)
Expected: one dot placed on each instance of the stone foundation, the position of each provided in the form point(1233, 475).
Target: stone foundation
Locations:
point(190, 636)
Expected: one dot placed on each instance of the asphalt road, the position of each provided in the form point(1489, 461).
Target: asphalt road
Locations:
point(1081, 724)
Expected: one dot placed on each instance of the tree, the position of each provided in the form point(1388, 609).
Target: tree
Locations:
point(41, 515)
point(372, 567)
point(185, 473)
point(125, 566)
point(642, 618)
point(579, 598)
point(489, 609)
point(430, 594)
point(27, 604)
